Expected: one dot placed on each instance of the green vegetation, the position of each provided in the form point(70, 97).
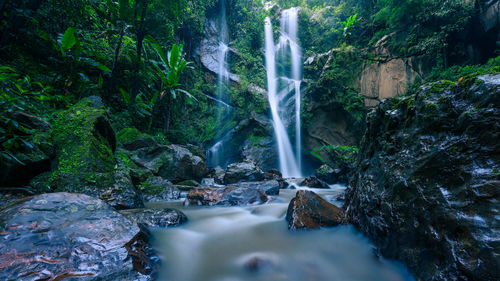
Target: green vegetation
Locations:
point(140, 56)
point(347, 154)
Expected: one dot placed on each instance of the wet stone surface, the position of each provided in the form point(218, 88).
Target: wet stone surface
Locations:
point(309, 211)
point(62, 235)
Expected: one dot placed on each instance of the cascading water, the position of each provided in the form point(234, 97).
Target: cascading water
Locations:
point(289, 81)
point(216, 153)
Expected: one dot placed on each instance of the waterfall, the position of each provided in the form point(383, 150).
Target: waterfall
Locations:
point(287, 83)
point(215, 154)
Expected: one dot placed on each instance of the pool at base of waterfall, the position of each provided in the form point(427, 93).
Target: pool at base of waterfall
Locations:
point(253, 243)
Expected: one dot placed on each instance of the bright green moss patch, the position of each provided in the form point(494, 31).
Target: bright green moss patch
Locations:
point(83, 154)
point(128, 135)
point(441, 86)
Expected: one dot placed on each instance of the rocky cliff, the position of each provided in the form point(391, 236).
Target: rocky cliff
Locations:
point(427, 185)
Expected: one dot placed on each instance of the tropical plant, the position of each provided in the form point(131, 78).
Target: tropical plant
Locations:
point(168, 70)
point(348, 25)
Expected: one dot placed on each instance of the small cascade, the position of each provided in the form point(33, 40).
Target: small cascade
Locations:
point(282, 86)
point(216, 153)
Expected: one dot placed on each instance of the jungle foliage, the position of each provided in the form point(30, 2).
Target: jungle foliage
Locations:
point(135, 54)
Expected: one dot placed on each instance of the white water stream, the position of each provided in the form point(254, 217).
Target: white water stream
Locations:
point(217, 243)
point(280, 87)
point(216, 153)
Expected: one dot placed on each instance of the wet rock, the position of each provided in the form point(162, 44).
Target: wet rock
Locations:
point(208, 182)
point(33, 157)
point(132, 139)
point(157, 189)
point(208, 48)
point(307, 210)
point(261, 151)
point(227, 196)
point(314, 182)
point(257, 264)
point(188, 183)
point(270, 187)
point(145, 258)
point(244, 171)
point(155, 217)
point(331, 124)
point(330, 175)
point(173, 162)
point(62, 235)
point(218, 175)
point(250, 140)
point(427, 187)
point(273, 174)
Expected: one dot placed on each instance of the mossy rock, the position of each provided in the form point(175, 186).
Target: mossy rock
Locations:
point(85, 145)
point(188, 183)
point(133, 139)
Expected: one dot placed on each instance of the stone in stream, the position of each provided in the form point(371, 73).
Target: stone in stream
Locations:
point(307, 210)
point(258, 264)
point(269, 187)
point(427, 186)
point(156, 217)
point(226, 196)
point(64, 235)
point(243, 171)
point(157, 189)
point(314, 182)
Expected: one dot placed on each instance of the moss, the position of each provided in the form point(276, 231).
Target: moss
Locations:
point(128, 135)
point(441, 86)
point(188, 183)
point(82, 154)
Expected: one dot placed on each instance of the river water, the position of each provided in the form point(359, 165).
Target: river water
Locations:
point(217, 244)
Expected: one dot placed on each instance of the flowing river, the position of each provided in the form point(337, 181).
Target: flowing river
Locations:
point(253, 243)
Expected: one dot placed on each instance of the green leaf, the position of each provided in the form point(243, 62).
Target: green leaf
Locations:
point(187, 94)
point(15, 158)
point(103, 67)
point(157, 48)
point(172, 78)
point(69, 38)
point(174, 56)
point(126, 96)
point(100, 82)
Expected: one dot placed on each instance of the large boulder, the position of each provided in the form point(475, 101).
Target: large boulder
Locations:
point(62, 235)
point(85, 145)
point(427, 186)
point(243, 171)
point(175, 163)
point(226, 196)
point(33, 156)
point(307, 210)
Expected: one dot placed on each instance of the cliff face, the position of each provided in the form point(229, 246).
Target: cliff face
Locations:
point(427, 185)
point(389, 76)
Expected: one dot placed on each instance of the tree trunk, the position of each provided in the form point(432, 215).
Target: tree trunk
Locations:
point(169, 114)
point(140, 34)
point(115, 61)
